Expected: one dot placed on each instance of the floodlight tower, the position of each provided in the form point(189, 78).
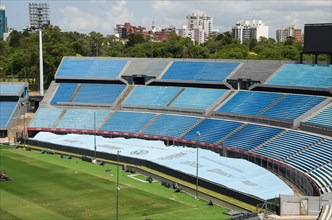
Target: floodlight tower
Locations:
point(39, 20)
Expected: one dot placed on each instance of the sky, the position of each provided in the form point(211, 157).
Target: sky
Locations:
point(102, 15)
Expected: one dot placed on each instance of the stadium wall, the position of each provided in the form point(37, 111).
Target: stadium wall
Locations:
point(306, 126)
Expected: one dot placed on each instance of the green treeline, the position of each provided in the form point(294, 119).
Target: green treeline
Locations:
point(19, 57)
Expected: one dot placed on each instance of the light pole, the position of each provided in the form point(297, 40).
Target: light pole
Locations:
point(117, 186)
point(24, 105)
point(197, 139)
point(94, 137)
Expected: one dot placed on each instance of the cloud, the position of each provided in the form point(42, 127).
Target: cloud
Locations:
point(102, 19)
point(103, 15)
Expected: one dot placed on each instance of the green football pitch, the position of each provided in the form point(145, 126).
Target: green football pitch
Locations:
point(45, 186)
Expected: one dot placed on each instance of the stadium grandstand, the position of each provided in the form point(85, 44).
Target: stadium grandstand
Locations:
point(260, 111)
point(14, 99)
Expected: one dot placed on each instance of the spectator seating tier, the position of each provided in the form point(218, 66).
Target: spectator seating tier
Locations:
point(82, 119)
point(323, 118)
point(303, 76)
point(6, 110)
point(197, 98)
point(287, 144)
point(64, 93)
point(131, 122)
point(170, 125)
point(293, 106)
point(313, 157)
point(249, 103)
point(251, 136)
point(212, 130)
point(199, 71)
point(99, 93)
point(45, 118)
point(90, 68)
point(158, 96)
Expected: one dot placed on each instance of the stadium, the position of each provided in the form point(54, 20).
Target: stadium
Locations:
point(257, 131)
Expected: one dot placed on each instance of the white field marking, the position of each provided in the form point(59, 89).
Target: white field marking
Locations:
point(137, 174)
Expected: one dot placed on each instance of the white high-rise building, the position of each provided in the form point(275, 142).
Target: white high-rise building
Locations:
point(198, 28)
point(245, 30)
point(288, 31)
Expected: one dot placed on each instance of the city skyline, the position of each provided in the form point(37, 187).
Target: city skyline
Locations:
point(102, 16)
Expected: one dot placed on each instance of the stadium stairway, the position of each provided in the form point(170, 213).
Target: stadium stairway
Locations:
point(118, 104)
point(75, 92)
point(272, 104)
point(191, 127)
point(123, 96)
point(149, 123)
point(267, 141)
point(175, 97)
point(297, 122)
point(104, 121)
point(59, 118)
point(211, 110)
point(49, 93)
point(305, 149)
point(221, 140)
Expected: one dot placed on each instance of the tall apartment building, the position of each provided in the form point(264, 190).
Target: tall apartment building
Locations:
point(198, 28)
point(39, 14)
point(288, 31)
point(123, 30)
point(245, 30)
point(3, 21)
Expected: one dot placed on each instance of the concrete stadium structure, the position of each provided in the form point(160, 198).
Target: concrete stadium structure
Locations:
point(261, 111)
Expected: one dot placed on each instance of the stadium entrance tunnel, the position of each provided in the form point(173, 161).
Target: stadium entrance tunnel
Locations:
point(137, 79)
point(242, 83)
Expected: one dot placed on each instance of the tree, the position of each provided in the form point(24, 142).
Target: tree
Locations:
point(134, 39)
point(14, 38)
point(233, 51)
point(96, 41)
point(290, 52)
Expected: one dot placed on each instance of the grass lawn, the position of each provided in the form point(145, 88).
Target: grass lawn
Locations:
point(46, 186)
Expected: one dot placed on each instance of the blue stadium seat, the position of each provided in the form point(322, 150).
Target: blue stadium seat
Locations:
point(45, 118)
point(131, 122)
point(170, 125)
point(197, 98)
point(293, 106)
point(199, 71)
point(313, 157)
point(303, 75)
point(10, 88)
point(90, 68)
point(323, 118)
point(99, 93)
point(82, 119)
point(64, 92)
point(158, 96)
point(287, 144)
point(322, 176)
point(251, 136)
point(248, 102)
point(6, 110)
point(211, 130)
